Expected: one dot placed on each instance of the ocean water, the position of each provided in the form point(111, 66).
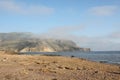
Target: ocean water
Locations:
point(111, 57)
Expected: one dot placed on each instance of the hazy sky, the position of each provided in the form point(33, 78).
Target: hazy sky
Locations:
point(90, 23)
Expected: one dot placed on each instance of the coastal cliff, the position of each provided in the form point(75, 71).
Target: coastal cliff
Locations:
point(24, 42)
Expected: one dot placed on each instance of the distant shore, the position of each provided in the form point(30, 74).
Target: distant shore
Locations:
point(34, 67)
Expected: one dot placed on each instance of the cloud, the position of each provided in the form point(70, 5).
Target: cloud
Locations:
point(95, 43)
point(9, 5)
point(109, 42)
point(100, 43)
point(66, 29)
point(103, 10)
point(114, 35)
point(63, 32)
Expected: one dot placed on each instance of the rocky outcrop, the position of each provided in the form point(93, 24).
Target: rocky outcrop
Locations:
point(45, 49)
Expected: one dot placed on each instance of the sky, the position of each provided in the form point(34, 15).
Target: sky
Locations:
point(92, 24)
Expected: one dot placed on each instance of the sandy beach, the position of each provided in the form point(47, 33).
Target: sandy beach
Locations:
point(34, 67)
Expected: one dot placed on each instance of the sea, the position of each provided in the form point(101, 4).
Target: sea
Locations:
point(108, 57)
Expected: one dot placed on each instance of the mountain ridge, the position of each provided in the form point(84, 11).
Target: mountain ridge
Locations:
point(26, 42)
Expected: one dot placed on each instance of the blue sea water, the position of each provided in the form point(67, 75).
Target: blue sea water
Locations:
point(112, 57)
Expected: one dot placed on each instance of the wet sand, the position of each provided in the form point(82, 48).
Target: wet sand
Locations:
point(34, 67)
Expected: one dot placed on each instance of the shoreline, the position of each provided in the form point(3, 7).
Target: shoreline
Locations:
point(34, 67)
point(105, 61)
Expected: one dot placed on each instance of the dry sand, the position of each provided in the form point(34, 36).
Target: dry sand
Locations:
point(27, 67)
